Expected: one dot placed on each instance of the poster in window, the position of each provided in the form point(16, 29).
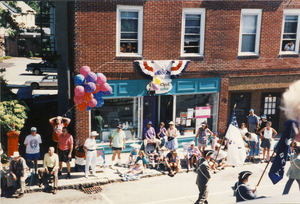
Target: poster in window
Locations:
point(183, 121)
point(188, 122)
point(190, 113)
point(183, 114)
point(202, 112)
point(177, 120)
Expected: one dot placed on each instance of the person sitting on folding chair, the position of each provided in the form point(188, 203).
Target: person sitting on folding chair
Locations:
point(149, 136)
point(18, 172)
point(49, 169)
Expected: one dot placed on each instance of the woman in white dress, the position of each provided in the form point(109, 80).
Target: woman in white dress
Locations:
point(172, 134)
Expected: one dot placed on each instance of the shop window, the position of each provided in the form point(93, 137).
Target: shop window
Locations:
point(192, 110)
point(193, 26)
point(270, 105)
point(250, 32)
point(129, 30)
point(105, 119)
point(290, 30)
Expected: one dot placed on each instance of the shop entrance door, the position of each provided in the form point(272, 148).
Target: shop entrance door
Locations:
point(242, 101)
point(270, 103)
point(149, 111)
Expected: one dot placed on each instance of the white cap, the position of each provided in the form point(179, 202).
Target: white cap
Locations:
point(33, 129)
point(94, 133)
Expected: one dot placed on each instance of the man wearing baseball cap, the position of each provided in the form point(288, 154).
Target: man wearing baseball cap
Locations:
point(91, 153)
point(117, 143)
point(32, 143)
point(203, 176)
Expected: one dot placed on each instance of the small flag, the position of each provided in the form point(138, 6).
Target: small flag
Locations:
point(277, 168)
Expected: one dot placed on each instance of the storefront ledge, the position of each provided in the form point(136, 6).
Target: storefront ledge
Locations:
point(288, 56)
point(191, 58)
point(240, 57)
point(129, 58)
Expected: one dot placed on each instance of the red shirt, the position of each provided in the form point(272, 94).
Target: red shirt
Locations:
point(57, 129)
point(65, 142)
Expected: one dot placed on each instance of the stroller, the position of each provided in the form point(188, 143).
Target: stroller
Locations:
point(151, 155)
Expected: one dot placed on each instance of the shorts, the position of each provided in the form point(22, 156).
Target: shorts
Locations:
point(116, 148)
point(63, 155)
point(202, 145)
point(219, 161)
point(265, 143)
point(32, 156)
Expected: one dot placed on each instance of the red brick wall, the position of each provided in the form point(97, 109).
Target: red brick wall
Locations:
point(95, 42)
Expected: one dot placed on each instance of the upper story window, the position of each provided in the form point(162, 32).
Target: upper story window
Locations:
point(192, 34)
point(250, 31)
point(129, 30)
point(290, 32)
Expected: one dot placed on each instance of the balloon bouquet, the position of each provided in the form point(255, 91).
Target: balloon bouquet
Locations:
point(90, 89)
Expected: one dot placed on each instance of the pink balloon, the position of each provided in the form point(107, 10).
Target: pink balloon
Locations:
point(104, 87)
point(101, 79)
point(79, 90)
point(85, 70)
point(78, 99)
point(92, 103)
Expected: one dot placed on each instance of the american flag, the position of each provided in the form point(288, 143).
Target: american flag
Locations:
point(232, 121)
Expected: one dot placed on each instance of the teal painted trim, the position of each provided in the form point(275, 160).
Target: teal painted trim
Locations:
point(134, 88)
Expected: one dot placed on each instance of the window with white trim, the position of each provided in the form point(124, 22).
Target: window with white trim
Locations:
point(192, 34)
point(129, 30)
point(250, 31)
point(290, 32)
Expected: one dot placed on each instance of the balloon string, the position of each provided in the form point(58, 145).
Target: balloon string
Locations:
point(69, 110)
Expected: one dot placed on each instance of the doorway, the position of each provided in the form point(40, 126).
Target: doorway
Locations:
point(149, 113)
point(242, 101)
point(270, 104)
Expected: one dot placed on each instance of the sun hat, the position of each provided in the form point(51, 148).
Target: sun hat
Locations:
point(171, 123)
point(16, 154)
point(94, 133)
point(33, 129)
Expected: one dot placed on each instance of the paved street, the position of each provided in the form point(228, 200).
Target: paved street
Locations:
point(164, 189)
point(16, 75)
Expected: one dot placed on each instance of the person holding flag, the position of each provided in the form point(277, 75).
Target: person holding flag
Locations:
point(236, 154)
point(294, 171)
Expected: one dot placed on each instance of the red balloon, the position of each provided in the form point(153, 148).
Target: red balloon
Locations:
point(87, 96)
point(78, 99)
point(82, 106)
point(97, 88)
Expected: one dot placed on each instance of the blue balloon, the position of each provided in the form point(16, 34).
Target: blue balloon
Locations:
point(100, 102)
point(98, 95)
point(88, 108)
point(79, 79)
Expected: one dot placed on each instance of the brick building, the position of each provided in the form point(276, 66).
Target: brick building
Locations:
point(239, 52)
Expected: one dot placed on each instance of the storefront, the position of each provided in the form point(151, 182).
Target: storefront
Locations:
point(188, 103)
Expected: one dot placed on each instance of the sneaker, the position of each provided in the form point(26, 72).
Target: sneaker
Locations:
point(68, 176)
point(86, 176)
point(119, 171)
point(59, 173)
point(20, 195)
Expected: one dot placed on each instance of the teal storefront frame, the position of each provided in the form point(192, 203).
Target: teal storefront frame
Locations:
point(181, 86)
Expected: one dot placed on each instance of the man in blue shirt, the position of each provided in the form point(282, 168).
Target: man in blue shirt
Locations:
point(253, 123)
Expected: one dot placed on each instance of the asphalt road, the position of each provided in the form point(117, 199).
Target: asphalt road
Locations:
point(164, 189)
point(16, 75)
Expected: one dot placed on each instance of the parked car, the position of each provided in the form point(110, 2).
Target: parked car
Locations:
point(43, 66)
point(47, 81)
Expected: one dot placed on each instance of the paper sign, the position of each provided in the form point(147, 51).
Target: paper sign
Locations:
point(183, 114)
point(190, 112)
point(183, 121)
point(177, 120)
point(188, 122)
point(203, 112)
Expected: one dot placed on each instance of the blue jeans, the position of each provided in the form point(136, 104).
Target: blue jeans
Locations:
point(289, 184)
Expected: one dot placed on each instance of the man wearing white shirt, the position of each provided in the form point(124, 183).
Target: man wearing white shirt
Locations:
point(221, 158)
point(32, 143)
point(91, 153)
point(50, 167)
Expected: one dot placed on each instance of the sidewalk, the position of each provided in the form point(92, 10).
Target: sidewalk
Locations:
point(105, 175)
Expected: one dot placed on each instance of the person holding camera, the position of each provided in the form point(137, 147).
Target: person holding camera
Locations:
point(289, 46)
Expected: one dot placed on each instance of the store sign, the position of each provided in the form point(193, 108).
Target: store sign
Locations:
point(203, 112)
point(163, 87)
